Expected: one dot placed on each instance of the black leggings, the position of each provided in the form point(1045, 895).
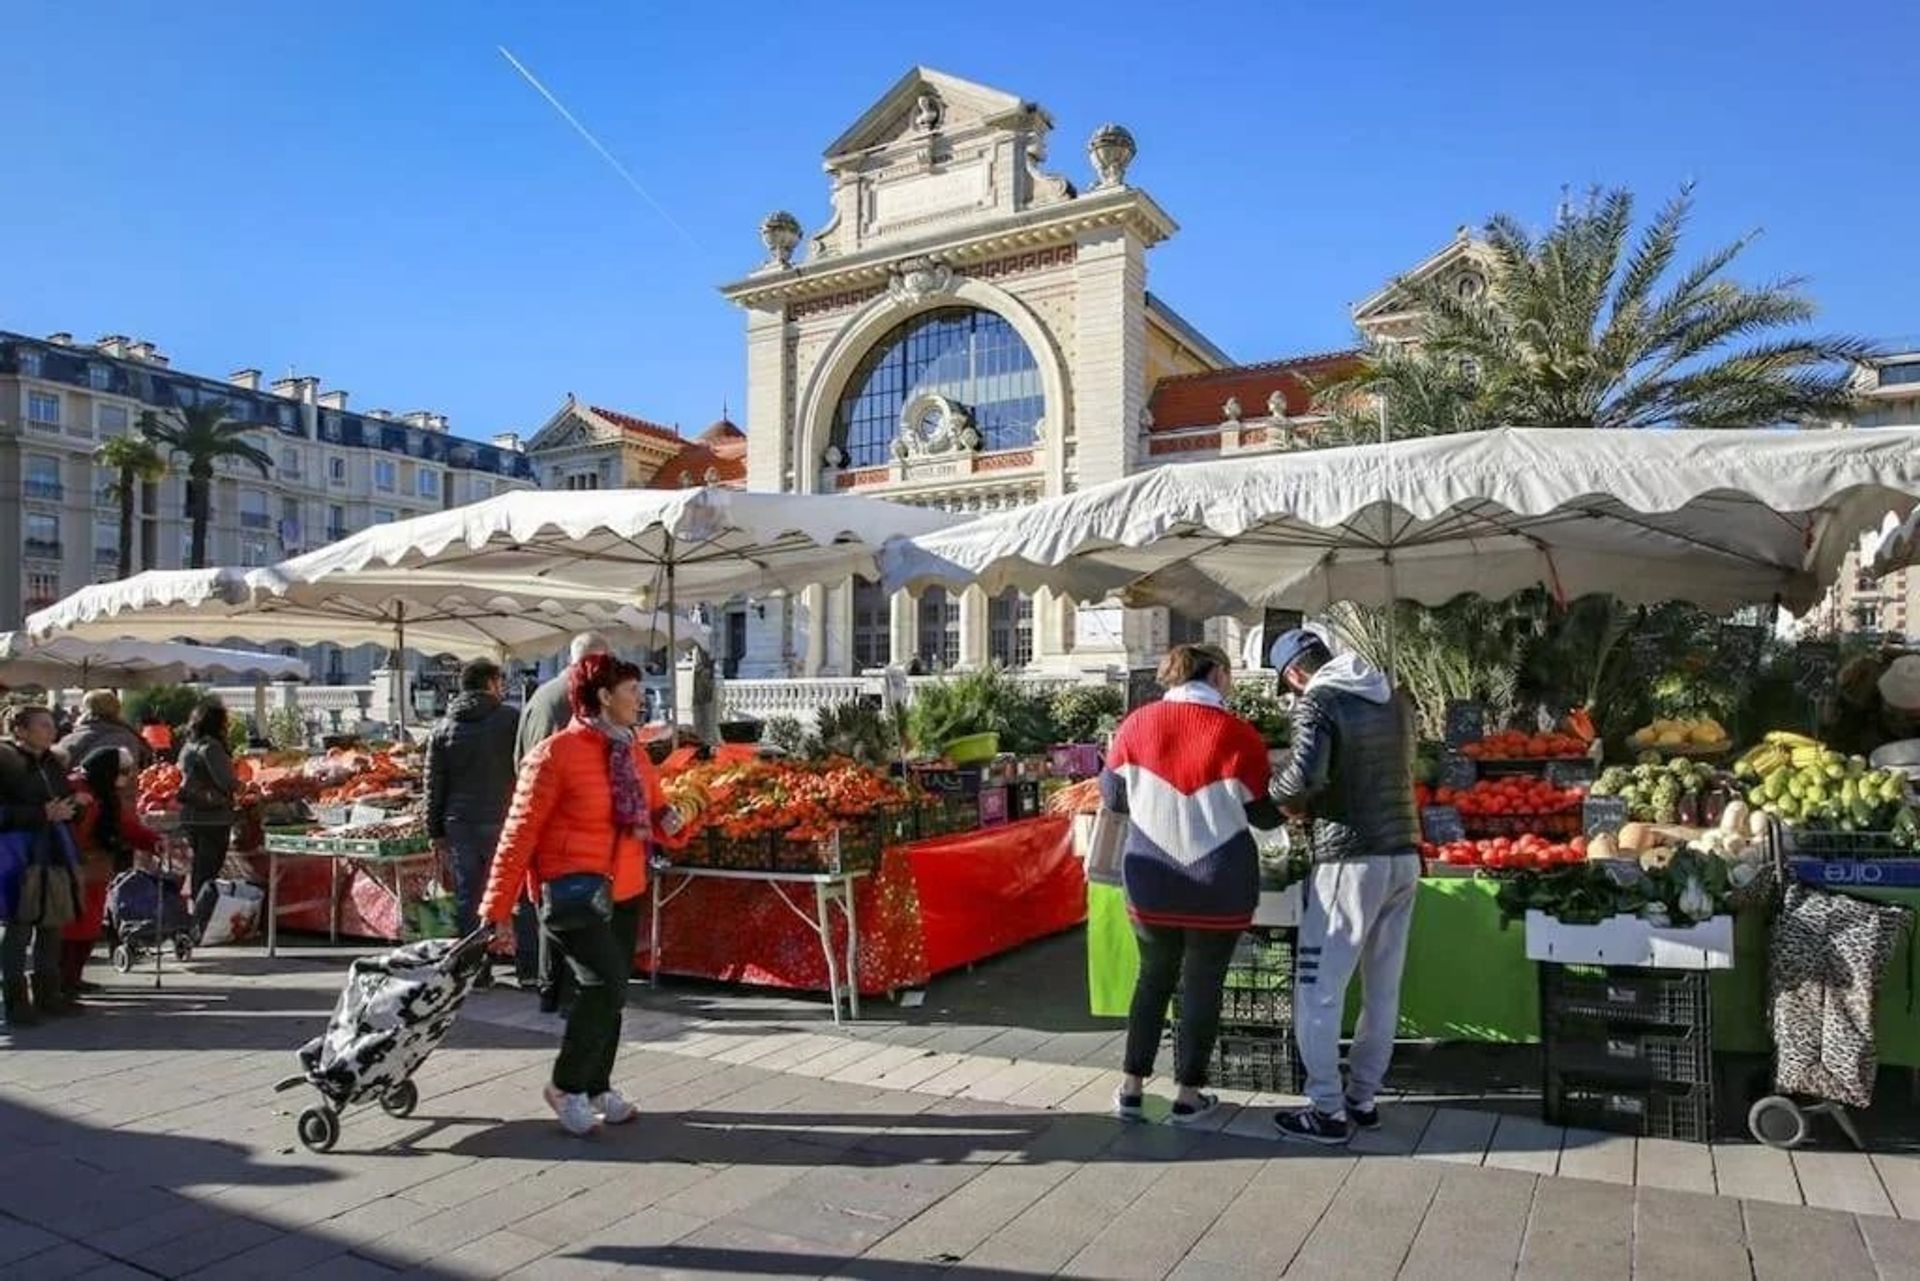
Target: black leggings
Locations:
point(209, 844)
point(599, 956)
point(1196, 962)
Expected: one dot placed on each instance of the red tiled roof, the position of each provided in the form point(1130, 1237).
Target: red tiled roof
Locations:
point(725, 457)
point(724, 429)
point(628, 422)
point(1197, 400)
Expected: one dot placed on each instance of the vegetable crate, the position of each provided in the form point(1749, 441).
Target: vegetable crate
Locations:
point(1255, 1049)
point(1628, 1050)
point(1802, 842)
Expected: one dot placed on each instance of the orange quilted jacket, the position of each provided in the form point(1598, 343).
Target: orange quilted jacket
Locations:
point(561, 823)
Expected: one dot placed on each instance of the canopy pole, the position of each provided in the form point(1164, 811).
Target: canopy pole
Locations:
point(399, 660)
point(673, 653)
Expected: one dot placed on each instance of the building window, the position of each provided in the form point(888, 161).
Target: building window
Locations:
point(111, 420)
point(482, 487)
point(42, 590)
point(427, 483)
point(290, 464)
point(253, 510)
point(1010, 629)
point(106, 542)
point(43, 409)
point(336, 523)
point(872, 626)
point(1900, 375)
point(253, 551)
point(106, 487)
point(100, 377)
point(939, 629)
point(1184, 629)
point(384, 516)
point(583, 480)
point(43, 535)
point(337, 471)
point(43, 478)
point(29, 362)
point(385, 475)
point(972, 357)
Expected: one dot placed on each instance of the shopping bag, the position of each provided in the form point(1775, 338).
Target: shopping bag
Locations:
point(236, 913)
point(16, 851)
point(1105, 845)
point(433, 916)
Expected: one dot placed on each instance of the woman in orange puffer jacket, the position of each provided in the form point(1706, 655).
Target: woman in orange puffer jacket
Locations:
point(585, 809)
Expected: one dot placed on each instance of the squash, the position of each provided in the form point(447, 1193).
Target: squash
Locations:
point(1603, 846)
point(1635, 837)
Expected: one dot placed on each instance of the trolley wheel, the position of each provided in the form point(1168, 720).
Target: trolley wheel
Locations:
point(319, 1129)
point(122, 958)
point(401, 1100)
point(182, 948)
point(1778, 1122)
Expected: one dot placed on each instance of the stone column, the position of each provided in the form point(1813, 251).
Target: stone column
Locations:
point(1109, 360)
point(837, 630)
point(768, 421)
point(811, 630)
point(904, 635)
point(765, 656)
point(973, 629)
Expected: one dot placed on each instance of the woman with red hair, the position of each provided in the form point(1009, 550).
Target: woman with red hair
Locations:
point(585, 810)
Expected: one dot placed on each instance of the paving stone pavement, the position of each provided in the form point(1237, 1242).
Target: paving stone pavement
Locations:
point(144, 1139)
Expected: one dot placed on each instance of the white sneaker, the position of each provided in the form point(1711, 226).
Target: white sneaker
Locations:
point(574, 1110)
point(614, 1108)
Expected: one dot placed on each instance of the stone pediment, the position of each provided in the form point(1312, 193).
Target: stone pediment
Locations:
point(571, 428)
point(1465, 264)
point(924, 102)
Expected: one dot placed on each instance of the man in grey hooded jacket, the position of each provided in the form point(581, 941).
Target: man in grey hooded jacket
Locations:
point(1351, 771)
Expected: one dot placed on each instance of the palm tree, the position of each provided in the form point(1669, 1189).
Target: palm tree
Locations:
point(1575, 329)
point(134, 461)
point(203, 434)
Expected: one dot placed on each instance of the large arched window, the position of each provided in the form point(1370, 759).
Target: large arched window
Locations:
point(971, 357)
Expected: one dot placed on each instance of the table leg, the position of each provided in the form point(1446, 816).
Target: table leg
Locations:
point(273, 904)
point(653, 939)
point(333, 901)
point(853, 950)
point(823, 925)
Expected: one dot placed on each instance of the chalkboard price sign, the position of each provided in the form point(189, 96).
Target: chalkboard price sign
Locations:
point(1603, 814)
point(1457, 772)
point(1466, 723)
point(1816, 665)
point(1143, 687)
point(1442, 824)
point(1568, 773)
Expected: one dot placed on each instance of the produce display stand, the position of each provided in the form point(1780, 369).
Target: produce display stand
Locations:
point(392, 856)
point(830, 889)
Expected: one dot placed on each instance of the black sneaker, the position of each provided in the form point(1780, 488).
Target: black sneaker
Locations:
point(1363, 1118)
point(1310, 1126)
point(1193, 1113)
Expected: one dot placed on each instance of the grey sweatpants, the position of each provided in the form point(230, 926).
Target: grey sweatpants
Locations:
point(1357, 915)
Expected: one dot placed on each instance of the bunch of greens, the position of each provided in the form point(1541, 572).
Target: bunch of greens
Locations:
point(1656, 793)
point(1690, 888)
point(1259, 704)
point(984, 702)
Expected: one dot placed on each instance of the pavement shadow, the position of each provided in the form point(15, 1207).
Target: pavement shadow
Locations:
point(670, 1260)
point(83, 1197)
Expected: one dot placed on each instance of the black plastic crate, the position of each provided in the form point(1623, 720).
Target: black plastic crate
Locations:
point(1670, 998)
point(1683, 1112)
point(1627, 1052)
point(1255, 1059)
point(1802, 842)
point(1259, 987)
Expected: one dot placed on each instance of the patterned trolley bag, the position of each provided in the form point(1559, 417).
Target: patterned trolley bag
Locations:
point(394, 1010)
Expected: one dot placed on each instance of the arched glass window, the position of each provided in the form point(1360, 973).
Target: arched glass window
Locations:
point(972, 357)
point(939, 629)
point(1010, 628)
point(872, 625)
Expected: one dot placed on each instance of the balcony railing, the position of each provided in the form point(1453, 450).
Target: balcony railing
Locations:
point(337, 532)
point(255, 520)
point(45, 489)
point(45, 548)
point(106, 555)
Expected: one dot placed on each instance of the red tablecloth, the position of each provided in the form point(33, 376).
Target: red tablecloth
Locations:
point(932, 906)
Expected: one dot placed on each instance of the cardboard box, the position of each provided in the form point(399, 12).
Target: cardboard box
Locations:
point(1629, 940)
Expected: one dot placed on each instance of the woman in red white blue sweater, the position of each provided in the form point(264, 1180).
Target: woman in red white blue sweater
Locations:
point(1185, 771)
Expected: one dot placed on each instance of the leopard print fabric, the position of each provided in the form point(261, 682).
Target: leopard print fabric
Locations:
point(1827, 957)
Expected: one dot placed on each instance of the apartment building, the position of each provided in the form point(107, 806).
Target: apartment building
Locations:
point(335, 470)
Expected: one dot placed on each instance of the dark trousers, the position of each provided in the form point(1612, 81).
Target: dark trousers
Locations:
point(209, 844)
point(599, 957)
point(24, 946)
point(469, 854)
point(1195, 962)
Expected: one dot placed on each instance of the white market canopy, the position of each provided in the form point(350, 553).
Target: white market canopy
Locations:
point(128, 664)
point(1718, 518)
point(1898, 547)
point(400, 611)
point(633, 545)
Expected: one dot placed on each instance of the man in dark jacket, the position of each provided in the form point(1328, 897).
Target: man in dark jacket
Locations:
point(470, 784)
point(33, 796)
point(546, 713)
point(1351, 772)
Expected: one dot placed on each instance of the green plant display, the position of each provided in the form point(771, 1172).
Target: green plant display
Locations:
point(172, 703)
point(858, 730)
point(786, 734)
point(1259, 704)
point(984, 702)
point(1087, 713)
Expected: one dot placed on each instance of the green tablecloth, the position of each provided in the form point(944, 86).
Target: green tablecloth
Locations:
point(1467, 979)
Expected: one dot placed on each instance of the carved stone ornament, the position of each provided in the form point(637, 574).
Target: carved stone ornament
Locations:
point(1231, 409)
point(931, 425)
point(918, 279)
point(1146, 418)
point(780, 233)
point(834, 457)
point(927, 112)
point(1111, 149)
point(1277, 404)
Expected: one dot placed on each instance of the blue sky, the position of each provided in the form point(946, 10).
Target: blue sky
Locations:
point(369, 193)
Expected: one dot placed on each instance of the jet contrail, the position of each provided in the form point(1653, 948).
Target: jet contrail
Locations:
point(594, 142)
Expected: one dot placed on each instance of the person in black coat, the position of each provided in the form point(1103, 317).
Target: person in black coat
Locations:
point(470, 783)
point(33, 796)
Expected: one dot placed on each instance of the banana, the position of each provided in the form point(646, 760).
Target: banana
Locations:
point(1786, 738)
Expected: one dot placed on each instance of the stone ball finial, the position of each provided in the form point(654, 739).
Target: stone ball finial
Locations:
point(780, 232)
point(1111, 149)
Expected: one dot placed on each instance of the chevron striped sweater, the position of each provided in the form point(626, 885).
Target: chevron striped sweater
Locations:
point(1184, 773)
